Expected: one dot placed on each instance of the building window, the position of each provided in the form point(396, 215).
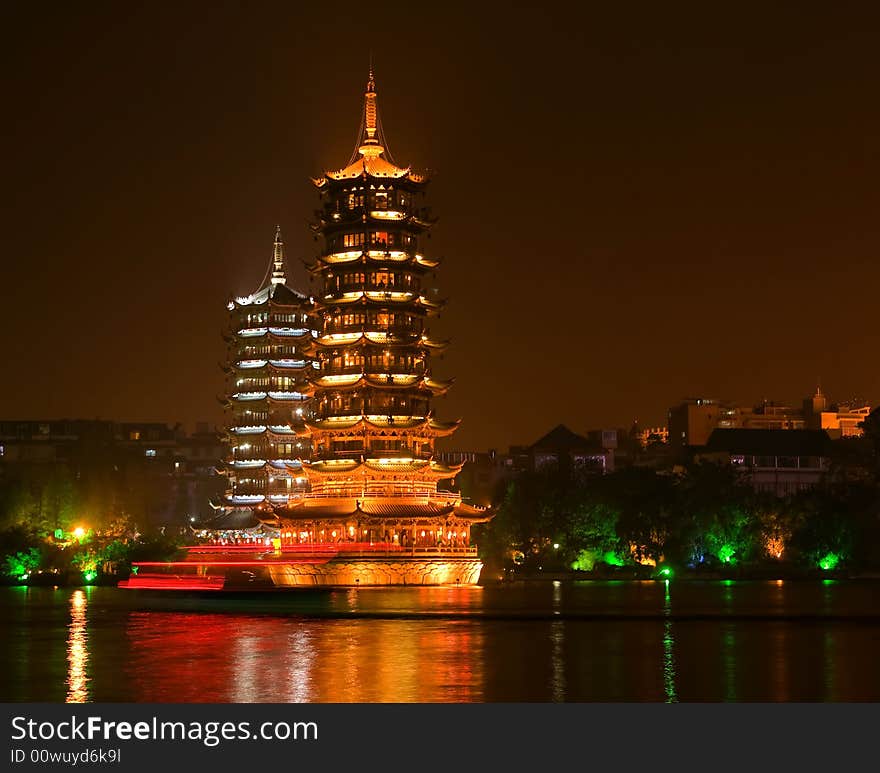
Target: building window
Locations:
point(134, 435)
point(150, 452)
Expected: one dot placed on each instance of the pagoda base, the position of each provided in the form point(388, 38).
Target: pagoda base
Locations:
point(247, 567)
point(372, 571)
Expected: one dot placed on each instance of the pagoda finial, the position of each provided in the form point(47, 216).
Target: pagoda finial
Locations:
point(278, 277)
point(370, 145)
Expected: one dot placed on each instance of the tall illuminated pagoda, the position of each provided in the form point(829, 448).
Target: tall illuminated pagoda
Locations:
point(372, 473)
point(268, 377)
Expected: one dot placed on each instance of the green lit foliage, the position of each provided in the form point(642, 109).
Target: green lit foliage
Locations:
point(41, 499)
point(644, 500)
point(705, 515)
point(545, 508)
point(22, 563)
point(585, 561)
point(612, 558)
point(86, 561)
point(716, 516)
point(828, 527)
point(829, 562)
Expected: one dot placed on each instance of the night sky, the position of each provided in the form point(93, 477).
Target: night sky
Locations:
point(635, 205)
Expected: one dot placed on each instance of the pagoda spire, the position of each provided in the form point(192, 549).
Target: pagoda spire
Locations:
point(370, 144)
point(278, 277)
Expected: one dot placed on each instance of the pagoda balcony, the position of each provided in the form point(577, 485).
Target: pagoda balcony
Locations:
point(373, 327)
point(350, 370)
point(418, 493)
point(222, 549)
point(244, 418)
point(411, 287)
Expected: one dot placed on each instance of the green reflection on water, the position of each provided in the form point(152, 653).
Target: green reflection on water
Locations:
point(668, 654)
point(728, 657)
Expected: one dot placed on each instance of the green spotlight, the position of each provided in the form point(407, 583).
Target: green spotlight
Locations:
point(829, 561)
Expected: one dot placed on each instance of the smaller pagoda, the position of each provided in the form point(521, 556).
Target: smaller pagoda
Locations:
point(268, 389)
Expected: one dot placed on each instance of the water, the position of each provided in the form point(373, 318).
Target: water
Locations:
point(586, 641)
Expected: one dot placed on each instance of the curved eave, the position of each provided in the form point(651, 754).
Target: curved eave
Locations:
point(285, 334)
point(336, 380)
point(375, 339)
point(359, 171)
point(304, 392)
point(282, 435)
point(273, 367)
point(327, 469)
point(443, 428)
point(438, 387)
point(396, 258)
point(473, 514)
point(380, 299)
point(429, 426)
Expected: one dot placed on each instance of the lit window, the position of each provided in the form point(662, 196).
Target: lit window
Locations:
point(134, 435)
point(151, 452)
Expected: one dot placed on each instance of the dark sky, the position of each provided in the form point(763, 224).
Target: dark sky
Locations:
point(635, 205)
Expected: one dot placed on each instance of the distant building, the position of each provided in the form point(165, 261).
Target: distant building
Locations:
point(841, 420)
point(777, 461)
point(479, 478)
point(652, 435)
point(563, 447)
point(153, 472)
point(771, 415)
point(692, 421)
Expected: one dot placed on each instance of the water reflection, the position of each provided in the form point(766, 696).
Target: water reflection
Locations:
point(668, 654)
point(746, 641)
point(77, 650)
point(301, 654)
point(277, 659)
point(557, 643)
point(728, 658)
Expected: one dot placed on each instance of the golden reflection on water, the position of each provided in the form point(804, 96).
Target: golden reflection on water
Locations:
point(77, 650)
point(285, 658)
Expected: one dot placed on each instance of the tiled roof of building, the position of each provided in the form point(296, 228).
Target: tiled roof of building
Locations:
point(770, 442)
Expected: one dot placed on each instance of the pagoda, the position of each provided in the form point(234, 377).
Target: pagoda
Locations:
point(268, 387)
point(333, 432)
point(373, 477)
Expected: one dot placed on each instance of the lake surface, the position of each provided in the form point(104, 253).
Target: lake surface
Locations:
point(583, 641)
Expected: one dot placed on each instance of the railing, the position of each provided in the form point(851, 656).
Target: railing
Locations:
point(367, 495)
point(328, 550)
